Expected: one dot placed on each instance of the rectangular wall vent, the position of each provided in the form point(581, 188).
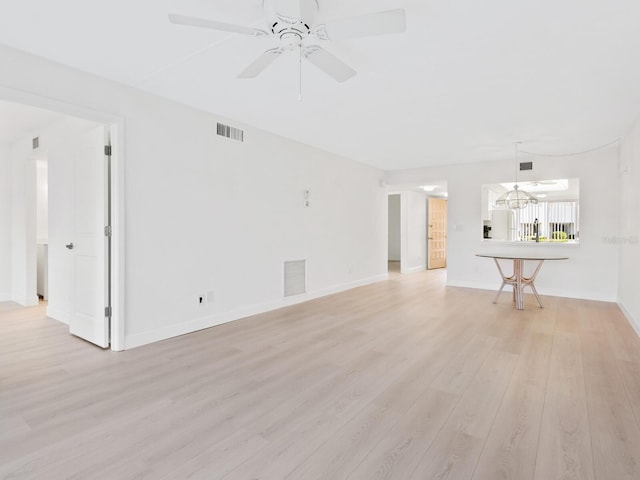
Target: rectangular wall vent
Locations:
point(230, 132)
point(526, 166)
point(295, 277)
point(35, 142)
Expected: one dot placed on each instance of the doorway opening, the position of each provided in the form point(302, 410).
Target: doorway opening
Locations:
point(417, 227)
point(42, 229)
point(57, 217)
point(394, 248)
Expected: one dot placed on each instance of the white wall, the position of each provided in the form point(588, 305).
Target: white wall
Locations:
point(394, 228)
point(591, 272)
point(42, 202)
point(23, 224)
point(413, 232)
point(5, 224)
point(628, 238)
point(205, 213)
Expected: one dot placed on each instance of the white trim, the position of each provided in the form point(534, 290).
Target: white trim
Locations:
point(26, 301)
point(502, 243)
point(635, 324)
point(116, 125)
point(118, 238)
point(59, 315)
point(5, 297)
point(419, 268)
point(494, 286)
point(145, 338)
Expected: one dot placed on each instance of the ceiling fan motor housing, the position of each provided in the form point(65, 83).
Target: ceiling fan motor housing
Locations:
point(290, 31)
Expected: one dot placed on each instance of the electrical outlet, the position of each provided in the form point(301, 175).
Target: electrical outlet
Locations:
point(205, 298)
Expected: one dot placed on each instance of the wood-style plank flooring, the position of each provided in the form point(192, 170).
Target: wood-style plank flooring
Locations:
point(403, 380)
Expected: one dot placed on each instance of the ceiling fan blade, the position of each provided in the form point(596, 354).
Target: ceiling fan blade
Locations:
point(381, 23)
point(261, 63)
point(214, 25)
point(329, 64)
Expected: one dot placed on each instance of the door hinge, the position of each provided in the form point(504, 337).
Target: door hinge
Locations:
point(107, 231)
point(107, 312)
point(107, 150)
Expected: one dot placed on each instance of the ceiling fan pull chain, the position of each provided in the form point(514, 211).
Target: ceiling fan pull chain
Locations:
point(300, 79)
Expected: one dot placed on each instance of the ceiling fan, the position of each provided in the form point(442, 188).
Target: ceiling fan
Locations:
point(539, 183)
point(293, 22)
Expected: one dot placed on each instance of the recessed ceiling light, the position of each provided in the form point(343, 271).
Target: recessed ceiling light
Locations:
point(429, 188)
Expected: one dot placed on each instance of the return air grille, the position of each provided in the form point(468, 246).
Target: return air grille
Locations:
point(526, 166)
point(295, 277)
point(230, 132)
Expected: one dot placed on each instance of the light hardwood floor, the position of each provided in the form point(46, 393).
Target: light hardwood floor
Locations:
point(404, 379)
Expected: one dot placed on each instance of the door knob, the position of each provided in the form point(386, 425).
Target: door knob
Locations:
point(69, 246)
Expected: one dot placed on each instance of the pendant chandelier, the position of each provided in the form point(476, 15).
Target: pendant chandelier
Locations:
point(516, 198)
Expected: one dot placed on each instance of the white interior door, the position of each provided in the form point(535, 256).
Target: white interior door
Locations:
point(88, 245)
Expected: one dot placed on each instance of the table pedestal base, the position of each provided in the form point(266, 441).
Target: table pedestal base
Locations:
point(518, 281)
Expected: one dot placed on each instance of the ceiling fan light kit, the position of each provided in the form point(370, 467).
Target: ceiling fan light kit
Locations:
point(292, 32)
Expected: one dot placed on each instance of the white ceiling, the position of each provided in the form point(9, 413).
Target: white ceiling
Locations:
point(467, 79)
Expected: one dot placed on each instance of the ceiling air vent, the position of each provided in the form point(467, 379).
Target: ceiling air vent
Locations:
point(35, 143)
point(230, 132)
point(295, 277)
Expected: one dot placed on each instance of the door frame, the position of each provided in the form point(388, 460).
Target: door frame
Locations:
point(115, 125)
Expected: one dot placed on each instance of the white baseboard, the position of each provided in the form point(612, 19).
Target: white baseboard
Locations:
point(58, 315)
point(597, 296)
point(5, 297)
point(340, 288)
point(419, 268)
point(635, 324)
point(145, 338)
point(26, 301)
